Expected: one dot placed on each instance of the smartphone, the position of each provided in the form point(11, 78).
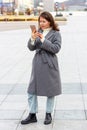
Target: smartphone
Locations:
point(33, 27)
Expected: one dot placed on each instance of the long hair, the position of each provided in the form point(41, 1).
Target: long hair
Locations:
point(46, 15)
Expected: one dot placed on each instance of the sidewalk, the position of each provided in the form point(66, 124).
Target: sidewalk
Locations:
point(26, 18)
point(70, 111)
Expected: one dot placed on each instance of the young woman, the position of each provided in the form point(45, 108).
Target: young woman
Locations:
point(45, 77)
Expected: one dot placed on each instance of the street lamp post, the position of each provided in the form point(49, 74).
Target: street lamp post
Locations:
point(2, 7)
point(13, 9)
point(40, 7)
point(56, 7)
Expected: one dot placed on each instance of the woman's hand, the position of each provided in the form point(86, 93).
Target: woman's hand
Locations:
point(41, 35)
point(35, 34)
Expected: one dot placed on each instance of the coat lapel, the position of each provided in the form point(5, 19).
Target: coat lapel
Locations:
point(49, 34)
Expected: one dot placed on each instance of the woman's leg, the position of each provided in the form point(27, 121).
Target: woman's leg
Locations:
point(33, 106)
point(49, 110)
point(33, 103)
point(50, 104)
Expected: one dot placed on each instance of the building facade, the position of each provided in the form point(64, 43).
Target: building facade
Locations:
point(36, 3)
point(22, 4)
point(48, 5)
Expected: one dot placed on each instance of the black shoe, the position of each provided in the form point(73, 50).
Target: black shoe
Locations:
point(48, 119)
point(30, 119)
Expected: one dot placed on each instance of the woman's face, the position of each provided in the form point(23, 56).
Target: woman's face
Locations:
point(44, 23)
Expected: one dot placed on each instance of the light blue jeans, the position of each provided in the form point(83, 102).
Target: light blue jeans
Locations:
point(33, 103)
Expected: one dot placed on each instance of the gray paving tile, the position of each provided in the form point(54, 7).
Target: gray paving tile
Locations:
point(35, 126)
point(84, 88)
point(2, 97)
point(5, 88)
point(11, 114)
point(85, 102)
point(13, 106)
point(20, 89)
point(8, 125)
point(70, 125)
point(71, 88)
point(16, 98)
point(5, 85)
point(86, 111)
point(69, 115)
point(69, 102)
point(13, 89)
point(4, 91)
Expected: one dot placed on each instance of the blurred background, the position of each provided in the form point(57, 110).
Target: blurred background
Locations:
point(28, 7)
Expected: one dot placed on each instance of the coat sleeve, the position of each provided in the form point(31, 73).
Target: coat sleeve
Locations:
point(54, 45)
point(30, 46)
point(37, 44)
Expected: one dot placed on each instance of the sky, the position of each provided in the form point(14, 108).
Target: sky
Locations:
point(54, 0)
point(59, 0)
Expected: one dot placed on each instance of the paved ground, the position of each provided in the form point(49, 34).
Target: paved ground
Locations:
point(6, 26)
point(70, 110)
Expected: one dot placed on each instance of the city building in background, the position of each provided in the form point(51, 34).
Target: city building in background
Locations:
point(37, 2)
point(12, 6)
point(27, 7)
point(23, 6)
point(48, 5)
point(6, 6)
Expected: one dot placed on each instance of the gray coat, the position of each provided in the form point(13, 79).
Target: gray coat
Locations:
point(45, 76)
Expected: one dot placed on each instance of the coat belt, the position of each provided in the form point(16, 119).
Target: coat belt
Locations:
point(46, 58)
